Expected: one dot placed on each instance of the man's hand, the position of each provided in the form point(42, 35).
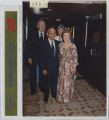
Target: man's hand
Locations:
point(30, 60)
point(44, 72)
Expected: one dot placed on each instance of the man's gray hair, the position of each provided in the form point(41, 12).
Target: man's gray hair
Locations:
point(40, 21)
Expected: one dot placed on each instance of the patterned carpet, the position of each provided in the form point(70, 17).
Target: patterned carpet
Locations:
point(86, 102)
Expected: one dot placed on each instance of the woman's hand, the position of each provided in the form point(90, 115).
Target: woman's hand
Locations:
point(44, 72)
point(74, 70)
point(30, 60)
point(60, 38)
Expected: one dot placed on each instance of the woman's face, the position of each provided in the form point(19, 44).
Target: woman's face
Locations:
point(60, 31)
point(66, 37)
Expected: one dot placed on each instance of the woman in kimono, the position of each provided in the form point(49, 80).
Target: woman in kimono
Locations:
point(60, 30)
point(67, 68)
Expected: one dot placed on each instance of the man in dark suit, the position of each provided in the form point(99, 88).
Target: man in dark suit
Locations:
point(36, 38)
point(49, 62)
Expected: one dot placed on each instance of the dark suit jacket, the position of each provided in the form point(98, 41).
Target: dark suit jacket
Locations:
point(34, 44)
point(47, 60)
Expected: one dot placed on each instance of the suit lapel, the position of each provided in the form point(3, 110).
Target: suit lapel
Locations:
point(48, 44)
point(56, 47)
point(38, 34)
point(44, 36)
point(49, 47)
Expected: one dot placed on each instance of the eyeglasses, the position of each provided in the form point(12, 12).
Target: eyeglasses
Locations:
point(51, 33)
point(41, 25)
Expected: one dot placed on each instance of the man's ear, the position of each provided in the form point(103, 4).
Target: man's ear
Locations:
point(47, 34)
point(37, 26)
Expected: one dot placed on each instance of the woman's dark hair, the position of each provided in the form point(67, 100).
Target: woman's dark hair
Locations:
point(60, 26)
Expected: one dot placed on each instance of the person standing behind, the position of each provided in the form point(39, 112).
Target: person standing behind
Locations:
point(36, 38)
point(67, 68)
point(49, 63)
point(60, 30)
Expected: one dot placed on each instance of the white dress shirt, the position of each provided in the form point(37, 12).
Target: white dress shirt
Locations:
point(40, 34)
point(57, 38)
point(50, 42)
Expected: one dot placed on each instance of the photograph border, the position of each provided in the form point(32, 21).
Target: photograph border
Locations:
point(18, 6)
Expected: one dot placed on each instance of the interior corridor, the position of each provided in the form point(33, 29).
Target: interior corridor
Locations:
point(87, 23)
point(87, 101)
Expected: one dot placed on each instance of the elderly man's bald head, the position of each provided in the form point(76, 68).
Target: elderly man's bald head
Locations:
point(51, 33)
point(51, 29)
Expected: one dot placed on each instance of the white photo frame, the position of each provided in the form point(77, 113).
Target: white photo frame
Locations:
point(17, 6)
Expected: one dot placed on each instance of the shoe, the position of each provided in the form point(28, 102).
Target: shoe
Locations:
point(33, 92)
point(45, 99)
point(53, 96)
point(41, 90)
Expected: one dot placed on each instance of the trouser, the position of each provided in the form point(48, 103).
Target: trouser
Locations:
point(50, 83)
point(33, 76)
point(41, 80)
point(32, 69)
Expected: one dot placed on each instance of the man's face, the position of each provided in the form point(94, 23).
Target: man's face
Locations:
point(41, 26)
point(51, 33)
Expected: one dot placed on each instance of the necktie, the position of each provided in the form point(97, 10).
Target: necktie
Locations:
point(41, 37)
point(52, 46)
